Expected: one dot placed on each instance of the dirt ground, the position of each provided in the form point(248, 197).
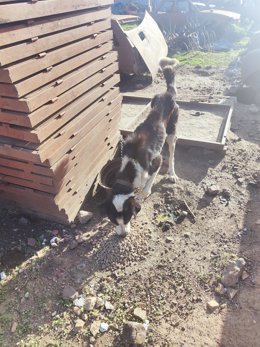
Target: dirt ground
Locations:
point(168, 266)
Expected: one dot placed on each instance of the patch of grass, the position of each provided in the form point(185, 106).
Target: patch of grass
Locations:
point(129, 26)
point(204, 59)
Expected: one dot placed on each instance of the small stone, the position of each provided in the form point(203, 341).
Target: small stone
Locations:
point(84, 316)
point(77, 311)
point(166, 226)
point(79, 302)
point(231, 293)
point(186, 235)
point(245, 275)
point(232, 272)
point(14, 327)
point(26, 295)
point(79, 324)
point(2, 276)
point(90, 303)
point(84, 216)
point(212, 305)
point(220, 289)
point(140, 313)
point(109, 306)
point(169, 239)
point(103, 327)
point(258, 222)
point(31, 242)
point(94, 328)
point(213, 190)
point(54, 241)
point(73, 244)
point(69, 292)
point(23, 221)
point(134, 333)
point(100, 303)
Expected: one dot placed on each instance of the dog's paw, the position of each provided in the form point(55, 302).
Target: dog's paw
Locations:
point(173, 177)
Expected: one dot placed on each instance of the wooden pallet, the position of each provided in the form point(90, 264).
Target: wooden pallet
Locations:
point(59, 104)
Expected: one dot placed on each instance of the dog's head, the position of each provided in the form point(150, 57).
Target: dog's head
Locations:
point(120, 209)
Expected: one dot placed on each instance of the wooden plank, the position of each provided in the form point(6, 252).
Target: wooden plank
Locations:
point(15, 118)
point(23, 11)
point(75, 172)
point(101, 117)
point(27, 167)
point(24, 50)
point(58, 71)
point(22, 70)
point(21, 153)
point(47, 110)
point(49, 92)
point(5, 171)
point(51, 150)
point(73, 203)
point(73, 111)
point(28, 183)
point(39, 27)
point(44, 131)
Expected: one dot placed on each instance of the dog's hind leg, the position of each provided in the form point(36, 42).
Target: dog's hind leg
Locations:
point(153, 171)
point(171, 140)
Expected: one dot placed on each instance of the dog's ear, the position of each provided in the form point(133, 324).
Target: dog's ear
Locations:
point(135, 206)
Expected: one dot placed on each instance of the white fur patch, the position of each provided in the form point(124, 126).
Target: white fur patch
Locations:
point(119, 200)
point(122, 229)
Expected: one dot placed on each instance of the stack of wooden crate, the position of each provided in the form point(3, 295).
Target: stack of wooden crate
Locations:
point(59, 104)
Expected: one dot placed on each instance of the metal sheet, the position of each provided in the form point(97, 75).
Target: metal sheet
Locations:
point(147, 39)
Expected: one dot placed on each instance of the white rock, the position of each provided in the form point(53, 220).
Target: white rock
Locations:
point(2, 276)
point(94, 328)
point(103, 327)
point(84, 216)
point(212, 305)
point(140, 313)
point(232, 272)
point(231, 293)
point(109, 306)
point(79, 302)
point(79, 324)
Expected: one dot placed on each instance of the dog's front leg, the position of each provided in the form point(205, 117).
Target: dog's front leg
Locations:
point(171, 140)
point(153, 171)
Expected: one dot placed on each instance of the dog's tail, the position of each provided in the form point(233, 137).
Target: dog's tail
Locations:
point(169, 76)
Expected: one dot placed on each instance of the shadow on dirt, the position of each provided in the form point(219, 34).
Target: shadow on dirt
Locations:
point(241, 325)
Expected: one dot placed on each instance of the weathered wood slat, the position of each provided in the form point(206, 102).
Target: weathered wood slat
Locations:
point(49, 92)
point(47, 110)
point(26, 167)
point(23, 11)
point(40, 27)
point(24, 50)
point(101, 117)
point(35, 82)
point(51, 151)
point(29, 67)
